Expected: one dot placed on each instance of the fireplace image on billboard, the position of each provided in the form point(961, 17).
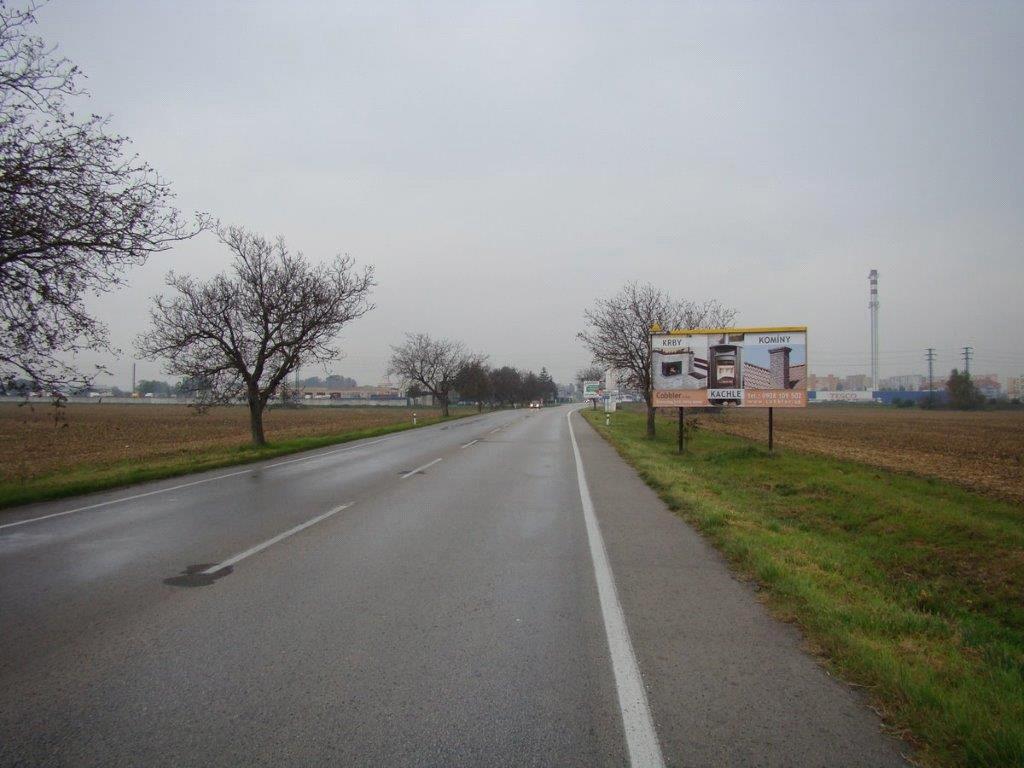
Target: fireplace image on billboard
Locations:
point(725, 370)
point(680, 369)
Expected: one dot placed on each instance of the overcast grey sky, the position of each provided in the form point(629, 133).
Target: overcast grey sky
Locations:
point(504, 164)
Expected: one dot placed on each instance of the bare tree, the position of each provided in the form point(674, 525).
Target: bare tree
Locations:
point(75, 211)
point(590, 373)
point(619, 330)
point(242, 333)
point(432, 363)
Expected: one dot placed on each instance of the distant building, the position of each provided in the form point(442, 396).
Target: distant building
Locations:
point(988, 384)
point(1015, 387)
point(857, 382)
point(829, 383)
point(381, 392)
point(911, 382)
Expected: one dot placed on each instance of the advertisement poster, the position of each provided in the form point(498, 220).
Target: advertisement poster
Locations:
point(743, 367)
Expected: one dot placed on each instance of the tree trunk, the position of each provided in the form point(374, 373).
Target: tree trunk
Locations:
point(256, 421)
point(651, 410)
point(444, 407)
point(479, 406)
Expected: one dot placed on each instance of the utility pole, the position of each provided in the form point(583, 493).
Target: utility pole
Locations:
point(873, 306)
point(930, 357)
point(967, 354)
point(133, 378)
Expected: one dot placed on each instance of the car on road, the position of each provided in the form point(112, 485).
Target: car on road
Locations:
point(536, 404)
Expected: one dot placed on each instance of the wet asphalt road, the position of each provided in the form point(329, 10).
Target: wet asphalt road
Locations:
point(446, 616)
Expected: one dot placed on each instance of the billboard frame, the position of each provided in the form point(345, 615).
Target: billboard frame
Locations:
point(728, 367)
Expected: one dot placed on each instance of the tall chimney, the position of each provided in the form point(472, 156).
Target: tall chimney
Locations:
point(873, 306)
point(779, 367)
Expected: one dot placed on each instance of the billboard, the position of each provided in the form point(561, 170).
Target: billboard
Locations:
point(591, 390)
point(745, 367)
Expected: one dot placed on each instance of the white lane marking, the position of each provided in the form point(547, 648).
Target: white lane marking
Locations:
point(641, 738)
point(126, 498)
point(494, 430)
point(412, 472)
point(270, 542)
point(471, 443)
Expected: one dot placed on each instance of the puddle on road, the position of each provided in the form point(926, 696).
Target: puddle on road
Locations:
point(193, 576)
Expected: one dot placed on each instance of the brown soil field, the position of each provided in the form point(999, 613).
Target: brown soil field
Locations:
point(38, 439)
point(980, 450)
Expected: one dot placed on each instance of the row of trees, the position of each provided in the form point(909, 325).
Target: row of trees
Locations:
point(504, 386)
point(333, 381)
point(443, 368)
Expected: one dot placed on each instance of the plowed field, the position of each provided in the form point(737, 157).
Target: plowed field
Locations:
point(37, 439)
point(982, 450)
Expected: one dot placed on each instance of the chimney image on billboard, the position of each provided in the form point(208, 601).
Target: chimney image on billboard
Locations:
point(780, 367)
point(779, 373)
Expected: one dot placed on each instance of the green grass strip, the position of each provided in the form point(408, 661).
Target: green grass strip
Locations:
point(910, 587)
point(89, 479)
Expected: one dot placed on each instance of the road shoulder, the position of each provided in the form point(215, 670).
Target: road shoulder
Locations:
point(727, 683)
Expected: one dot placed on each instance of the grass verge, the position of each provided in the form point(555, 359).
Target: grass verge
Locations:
point(910, 587)
point(89, 479)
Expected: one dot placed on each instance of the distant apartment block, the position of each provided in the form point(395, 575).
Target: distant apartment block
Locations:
point(911, 382)
point(988, 384)
point(1015, 387)
point(857, 382)
point(829, 383)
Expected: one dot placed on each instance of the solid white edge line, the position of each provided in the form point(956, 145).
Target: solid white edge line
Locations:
point(270, 542)
point(412, 472)
point(126, 498)
point(471, 442)
point(641, 738)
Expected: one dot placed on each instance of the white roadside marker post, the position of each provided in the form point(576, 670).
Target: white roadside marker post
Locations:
point(414, 418)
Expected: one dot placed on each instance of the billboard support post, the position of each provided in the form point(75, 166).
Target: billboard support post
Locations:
point(771, 430)
point(681, 438)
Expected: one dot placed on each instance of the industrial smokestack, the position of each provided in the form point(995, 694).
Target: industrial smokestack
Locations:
point(873, 306)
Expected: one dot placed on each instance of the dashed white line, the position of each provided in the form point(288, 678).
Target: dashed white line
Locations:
point(471, 443)
point(270, 542)
point(212, 479)
point(412, 472)
point(126, 498)
point(641, 738)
